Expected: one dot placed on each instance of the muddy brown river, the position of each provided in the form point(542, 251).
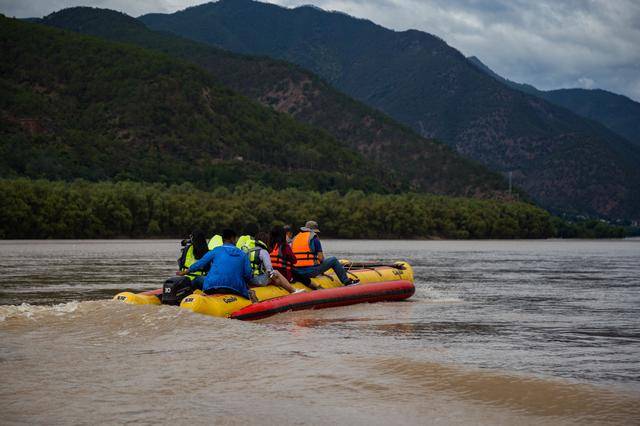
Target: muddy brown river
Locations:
point(498, 332)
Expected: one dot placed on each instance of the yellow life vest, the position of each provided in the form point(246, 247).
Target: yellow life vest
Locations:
point(190, 259)
point(249, 245)
point(215, 241)
point(246, 243)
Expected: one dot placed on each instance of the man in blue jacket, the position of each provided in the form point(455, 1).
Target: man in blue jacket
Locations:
point(228, 268)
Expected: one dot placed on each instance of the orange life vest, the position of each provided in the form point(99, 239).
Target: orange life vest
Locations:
point(277, 259)
point(301, 246)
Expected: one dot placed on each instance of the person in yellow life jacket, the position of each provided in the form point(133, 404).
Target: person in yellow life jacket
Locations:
point(310, 260)
point(215, 241)
point(256, 247)
point(194, 249)
point(247, 240)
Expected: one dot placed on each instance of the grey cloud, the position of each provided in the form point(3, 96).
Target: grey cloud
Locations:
point(547, 43)
point(39, 8)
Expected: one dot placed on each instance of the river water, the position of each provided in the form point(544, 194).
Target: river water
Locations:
point(498, 332)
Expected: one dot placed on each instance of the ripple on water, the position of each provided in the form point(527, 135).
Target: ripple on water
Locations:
point(498, 332)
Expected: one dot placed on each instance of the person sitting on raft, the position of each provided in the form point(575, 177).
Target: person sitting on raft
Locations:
point(195, 248)
point(288, 231)
point(263, 271)
point(282, 257)
point(229, 269)
point(247, 240)
point(310, 261)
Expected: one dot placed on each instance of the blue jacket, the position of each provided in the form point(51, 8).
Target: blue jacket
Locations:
point(229, 268)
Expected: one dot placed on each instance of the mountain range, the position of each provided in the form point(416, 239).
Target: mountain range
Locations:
point(619, 113)
point(564, 161)
point(424, 164)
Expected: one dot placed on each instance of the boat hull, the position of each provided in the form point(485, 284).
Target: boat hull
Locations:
point(328, 298)
point(392, 282)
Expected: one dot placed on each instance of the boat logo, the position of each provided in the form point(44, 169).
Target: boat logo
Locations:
point(229, 299)
point(188, 299)
point(122, 297)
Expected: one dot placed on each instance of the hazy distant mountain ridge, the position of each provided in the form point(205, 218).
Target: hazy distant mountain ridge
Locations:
point(617, 112)
point(565, 162)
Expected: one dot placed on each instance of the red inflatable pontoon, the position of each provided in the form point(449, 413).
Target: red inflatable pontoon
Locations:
point(328, 298)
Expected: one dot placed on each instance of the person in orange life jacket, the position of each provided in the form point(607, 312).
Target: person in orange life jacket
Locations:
point(282, 257)
point(263, 272)
point(229, 269)
point(306, 280)
point(310, 260)
point(288, 231)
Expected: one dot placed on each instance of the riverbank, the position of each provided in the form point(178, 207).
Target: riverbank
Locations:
point(80, 209)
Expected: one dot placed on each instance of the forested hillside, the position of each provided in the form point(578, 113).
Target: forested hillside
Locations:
point(73, 106)
point(565, 162)
point(619, 113)
point(428, 165)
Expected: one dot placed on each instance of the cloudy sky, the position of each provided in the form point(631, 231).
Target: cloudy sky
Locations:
point(548, 43)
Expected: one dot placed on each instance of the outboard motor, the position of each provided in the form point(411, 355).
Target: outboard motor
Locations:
point(175, 289)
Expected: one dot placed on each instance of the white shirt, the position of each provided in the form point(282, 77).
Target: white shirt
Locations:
point(266, 260)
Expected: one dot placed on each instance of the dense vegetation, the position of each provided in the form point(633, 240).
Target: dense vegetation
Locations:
point(427, 164)
point(563, 161)
point(81, 209)
point(591, 228)
point(73, 106)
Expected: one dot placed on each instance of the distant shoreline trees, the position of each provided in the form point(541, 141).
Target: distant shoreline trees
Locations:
point(81, 209)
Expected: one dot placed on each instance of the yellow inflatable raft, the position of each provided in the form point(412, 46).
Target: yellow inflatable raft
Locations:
point(393, 282)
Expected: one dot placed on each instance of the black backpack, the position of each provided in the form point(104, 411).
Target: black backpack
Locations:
point(186, 245)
